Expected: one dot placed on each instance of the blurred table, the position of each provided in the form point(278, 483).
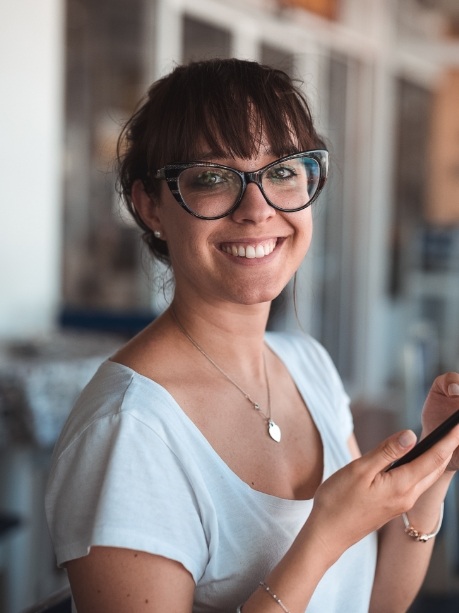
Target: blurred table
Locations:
point(40, 380)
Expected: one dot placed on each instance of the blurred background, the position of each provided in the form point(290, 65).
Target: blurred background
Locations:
point(380, 288)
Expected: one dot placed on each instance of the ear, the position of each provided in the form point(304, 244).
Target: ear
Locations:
point(146, 206)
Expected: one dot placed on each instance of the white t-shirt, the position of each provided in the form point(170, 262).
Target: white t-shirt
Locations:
point(132, 470)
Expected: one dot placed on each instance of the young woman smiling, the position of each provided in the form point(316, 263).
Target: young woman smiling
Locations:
point(211, 465)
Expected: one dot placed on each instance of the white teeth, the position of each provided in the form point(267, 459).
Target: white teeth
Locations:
point(260, 252)
point(250, 251)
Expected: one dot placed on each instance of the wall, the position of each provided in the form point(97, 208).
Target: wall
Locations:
point(31, 82)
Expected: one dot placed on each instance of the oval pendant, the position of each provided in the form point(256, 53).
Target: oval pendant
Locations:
point(274, 431)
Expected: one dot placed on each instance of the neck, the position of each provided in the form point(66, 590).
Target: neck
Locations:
point(273, 429)
point(233, 337)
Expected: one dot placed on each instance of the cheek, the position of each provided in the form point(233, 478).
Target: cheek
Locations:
point(187, 241)
point(177, 224)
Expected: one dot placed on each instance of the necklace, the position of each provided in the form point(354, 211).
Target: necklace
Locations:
point(273, 429)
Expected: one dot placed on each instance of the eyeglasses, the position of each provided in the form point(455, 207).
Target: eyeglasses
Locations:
point(212, 191)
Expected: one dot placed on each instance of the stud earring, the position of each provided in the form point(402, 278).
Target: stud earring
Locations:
point(157, 233)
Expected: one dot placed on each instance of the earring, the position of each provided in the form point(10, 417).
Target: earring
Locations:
point(157, 233)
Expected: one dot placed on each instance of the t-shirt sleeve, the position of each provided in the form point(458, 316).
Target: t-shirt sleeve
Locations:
point(119, 484)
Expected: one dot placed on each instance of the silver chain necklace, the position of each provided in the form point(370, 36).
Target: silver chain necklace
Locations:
point(273, 429)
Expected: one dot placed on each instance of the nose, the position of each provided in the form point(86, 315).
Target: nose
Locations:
point(253, 207)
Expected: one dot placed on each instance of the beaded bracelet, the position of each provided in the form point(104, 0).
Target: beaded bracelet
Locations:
point(420, 536)
point(274, 596)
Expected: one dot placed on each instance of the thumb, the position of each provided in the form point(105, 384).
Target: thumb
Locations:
point(393, 448)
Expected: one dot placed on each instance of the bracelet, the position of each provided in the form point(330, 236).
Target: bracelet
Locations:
point(419, 536)
point(274, 596)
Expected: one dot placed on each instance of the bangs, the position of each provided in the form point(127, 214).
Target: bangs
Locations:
point(235, 130)
point(231, 111)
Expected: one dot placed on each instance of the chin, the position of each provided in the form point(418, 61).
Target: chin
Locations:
point(251, 296)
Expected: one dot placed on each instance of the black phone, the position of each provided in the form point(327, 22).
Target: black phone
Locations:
point(427, 442)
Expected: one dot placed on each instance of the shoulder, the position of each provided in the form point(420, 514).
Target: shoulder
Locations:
point(120, 466)
point(299, 347)
point(114, 398)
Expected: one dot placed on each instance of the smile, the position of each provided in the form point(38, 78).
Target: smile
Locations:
point(258, 250)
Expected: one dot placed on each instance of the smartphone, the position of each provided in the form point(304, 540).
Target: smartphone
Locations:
point(427, 442)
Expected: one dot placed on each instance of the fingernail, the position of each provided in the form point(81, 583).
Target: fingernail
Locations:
point(407, 438)
point(453, 389)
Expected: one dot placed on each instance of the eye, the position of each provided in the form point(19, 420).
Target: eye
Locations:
point(281, 173)
point(208, 178)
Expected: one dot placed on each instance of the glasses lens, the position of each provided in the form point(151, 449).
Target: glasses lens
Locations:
point(291, 183)
point(209, 191)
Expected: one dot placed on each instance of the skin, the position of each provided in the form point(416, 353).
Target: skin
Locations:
point(223, 301)
point(203, 271)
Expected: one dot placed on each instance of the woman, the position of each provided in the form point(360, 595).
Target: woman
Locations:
point(209, 465)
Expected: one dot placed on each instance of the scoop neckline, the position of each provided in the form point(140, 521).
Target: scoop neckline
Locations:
point(271, 498)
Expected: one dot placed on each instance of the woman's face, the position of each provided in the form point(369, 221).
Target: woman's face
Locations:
point(245, 258)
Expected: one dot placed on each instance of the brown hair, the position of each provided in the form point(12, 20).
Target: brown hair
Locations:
point(228, 103)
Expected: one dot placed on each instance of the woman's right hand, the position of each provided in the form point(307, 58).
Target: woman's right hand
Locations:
point(361, 497)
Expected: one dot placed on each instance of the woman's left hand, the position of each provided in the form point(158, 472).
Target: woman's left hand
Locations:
point(441, 402)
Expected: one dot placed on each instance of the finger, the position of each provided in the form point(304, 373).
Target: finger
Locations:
point(453, 384)
point(391, 449)
point(442, 401)
point(446, 384)
point(431, 463)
